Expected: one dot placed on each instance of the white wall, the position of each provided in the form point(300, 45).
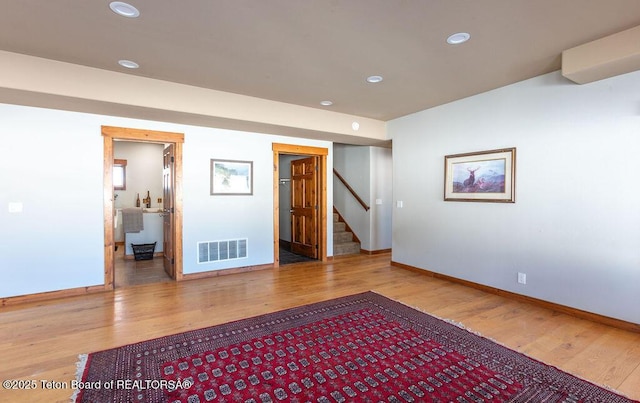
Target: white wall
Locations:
point(575, 226)
point(52, 164)
point(381, 189)
point(368, 170)
point(211, 218)
point(353, 164)
point(144, 172)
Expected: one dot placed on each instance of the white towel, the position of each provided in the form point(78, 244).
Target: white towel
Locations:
point(132, 220)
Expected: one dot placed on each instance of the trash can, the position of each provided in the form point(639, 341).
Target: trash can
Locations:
point(143, 251)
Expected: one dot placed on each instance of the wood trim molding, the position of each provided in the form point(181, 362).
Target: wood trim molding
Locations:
point(108, 210)
point(594, 317)
point(45, 296)
point(110, 133)
point(302, 150)
point(178, 209)
point(225, 272)
point(321, 155)
point(155, 136)
point(276, 209)
point(323, 203)
point(375, 252)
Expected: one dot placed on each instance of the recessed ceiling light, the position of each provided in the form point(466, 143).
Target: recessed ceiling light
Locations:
point(326, 103)
point(128, 64)
point(355, 126)
point(456, 39)
point(374, 79)
point(124, 9)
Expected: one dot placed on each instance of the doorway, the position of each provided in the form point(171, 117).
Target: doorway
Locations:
point(172, 208)
point(311, 221)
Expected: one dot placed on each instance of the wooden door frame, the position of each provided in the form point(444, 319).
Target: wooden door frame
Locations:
point(109, 134)
point(321, 154)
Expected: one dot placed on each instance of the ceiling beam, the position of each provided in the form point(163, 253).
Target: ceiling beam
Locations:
point(603, 58)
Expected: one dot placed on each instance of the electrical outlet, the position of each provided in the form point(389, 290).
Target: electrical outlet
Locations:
point(15, 207)
point(159, 199)
point(522, 278)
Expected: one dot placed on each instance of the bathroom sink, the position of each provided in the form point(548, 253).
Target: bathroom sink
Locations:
point(152, 210)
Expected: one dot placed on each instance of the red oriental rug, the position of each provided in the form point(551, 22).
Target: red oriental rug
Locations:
point(360, 348)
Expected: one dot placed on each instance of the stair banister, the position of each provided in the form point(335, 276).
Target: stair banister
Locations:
point(350, 189)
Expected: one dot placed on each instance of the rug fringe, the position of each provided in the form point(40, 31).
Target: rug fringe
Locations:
point(80, 366)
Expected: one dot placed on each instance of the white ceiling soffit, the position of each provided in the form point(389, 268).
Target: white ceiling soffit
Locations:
point(603, 58)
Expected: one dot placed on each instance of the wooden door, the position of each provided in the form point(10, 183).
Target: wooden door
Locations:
point(168, 177)
point(304, 207)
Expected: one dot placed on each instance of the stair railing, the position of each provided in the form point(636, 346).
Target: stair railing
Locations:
point(350, 189)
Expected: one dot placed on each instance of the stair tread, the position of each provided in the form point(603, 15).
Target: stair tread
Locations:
point(343, 236)
point(343, 240)
point(346, 249)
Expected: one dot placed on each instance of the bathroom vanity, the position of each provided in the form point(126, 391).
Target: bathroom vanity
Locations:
point(153, 232)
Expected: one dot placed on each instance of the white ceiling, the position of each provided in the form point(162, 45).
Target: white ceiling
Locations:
point(306, 51)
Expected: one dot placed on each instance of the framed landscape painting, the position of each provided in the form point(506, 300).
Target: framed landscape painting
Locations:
point(483, 176)
point(231, 177)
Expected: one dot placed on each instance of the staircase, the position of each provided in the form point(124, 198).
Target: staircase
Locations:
point(344, 241)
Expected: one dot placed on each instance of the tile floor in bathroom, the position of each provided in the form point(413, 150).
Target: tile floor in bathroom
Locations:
point(134, 272)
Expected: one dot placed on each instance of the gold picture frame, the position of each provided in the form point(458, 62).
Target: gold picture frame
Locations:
point(482, 176)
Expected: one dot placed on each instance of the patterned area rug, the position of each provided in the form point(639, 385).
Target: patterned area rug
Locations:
point(360, 348)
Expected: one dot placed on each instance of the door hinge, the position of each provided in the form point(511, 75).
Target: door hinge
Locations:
point(316, 207)
point(172, 160)
point(173, 261)
point(172, 210)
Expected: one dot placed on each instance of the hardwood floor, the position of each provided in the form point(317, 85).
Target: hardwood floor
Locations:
point(41, 341)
